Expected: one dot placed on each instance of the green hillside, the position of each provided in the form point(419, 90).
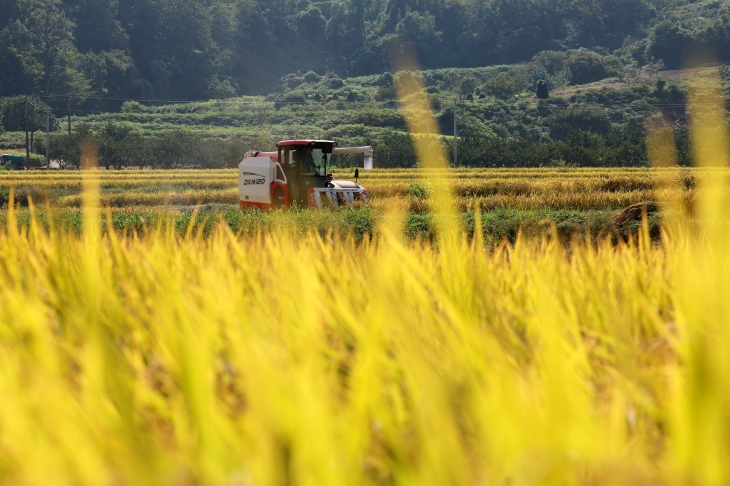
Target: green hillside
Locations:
point(501, 122)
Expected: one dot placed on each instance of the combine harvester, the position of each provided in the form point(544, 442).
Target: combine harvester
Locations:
point(297, 174)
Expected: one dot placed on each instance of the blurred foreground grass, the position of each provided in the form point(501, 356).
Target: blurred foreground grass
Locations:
point(275, 358)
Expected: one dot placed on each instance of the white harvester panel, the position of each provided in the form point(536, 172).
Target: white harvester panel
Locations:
point(255, 176)
point(367, 151)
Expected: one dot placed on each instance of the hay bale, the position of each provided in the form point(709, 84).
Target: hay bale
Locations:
point(635, 212)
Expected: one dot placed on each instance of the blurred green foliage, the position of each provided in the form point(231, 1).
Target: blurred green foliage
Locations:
point(105, 51)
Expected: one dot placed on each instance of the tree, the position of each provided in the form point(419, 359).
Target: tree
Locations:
point(116, 143)
point(504, 85)
point(185, 44)
point(451, 81)
point(20, 69)
point(192, 49)
point(311, 25)
point(67, 148)
point(606, 23)
point(52, 43)
point(521, 28)
point(468, 85)
point(9, 12)
point(357, 16)
point(587, 67)
point(97, 28)
point(420, 30)
point(12, 112)
point(106, 71)
point(346, 33)
point(254, 35)
point(140, 20)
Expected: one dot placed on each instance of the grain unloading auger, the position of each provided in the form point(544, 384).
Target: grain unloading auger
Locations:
point(298, 174)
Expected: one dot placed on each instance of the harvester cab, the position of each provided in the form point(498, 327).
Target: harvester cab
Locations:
point(297, 174)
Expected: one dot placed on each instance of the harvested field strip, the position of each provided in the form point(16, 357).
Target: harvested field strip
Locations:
point(188, 197)
point(477, 187)
point(578, 201)
point(129, 184)
point(578, 189)
point(376, 174)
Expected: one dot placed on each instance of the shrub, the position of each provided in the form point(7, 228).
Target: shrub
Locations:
point(312, 77)
point(468, 85)
point(116, 145)
point(564, 122)
point(36, 161)
point(450, 81)
point(418, 190)
point(587, 67)
point(221, 89)
point(385, 79)
point(552, 61)
point(673, 38)
point(295, 97)
point(537, 73)
point(504, 85)
point(408, 77)
point(393, 149)
point(333, 81)
point(66, 148)
point(133, 107)
point(386, 93)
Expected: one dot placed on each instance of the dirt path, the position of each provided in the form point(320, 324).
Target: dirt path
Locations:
point(580, 89)
point(668, 74)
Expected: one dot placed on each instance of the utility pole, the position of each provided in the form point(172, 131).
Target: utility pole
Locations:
point(27, 146)
point(32, 124)
point(456, 136)
point(69, 113)
point(48, 136)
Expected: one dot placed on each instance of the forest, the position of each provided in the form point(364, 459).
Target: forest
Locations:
point(102, 51)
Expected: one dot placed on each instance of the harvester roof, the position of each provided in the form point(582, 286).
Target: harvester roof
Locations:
point(292, 143)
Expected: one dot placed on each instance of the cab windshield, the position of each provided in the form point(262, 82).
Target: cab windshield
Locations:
point(314, 161)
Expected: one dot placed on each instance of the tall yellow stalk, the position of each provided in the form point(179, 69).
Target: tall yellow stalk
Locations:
point(430, 153)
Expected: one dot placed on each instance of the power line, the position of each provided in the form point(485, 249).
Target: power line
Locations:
point(229, 102)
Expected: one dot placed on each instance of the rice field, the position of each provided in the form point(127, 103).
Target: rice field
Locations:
point(576, 189)
point(276, 358)
point(280, 355)
point(195, 354)
point(575, 200)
